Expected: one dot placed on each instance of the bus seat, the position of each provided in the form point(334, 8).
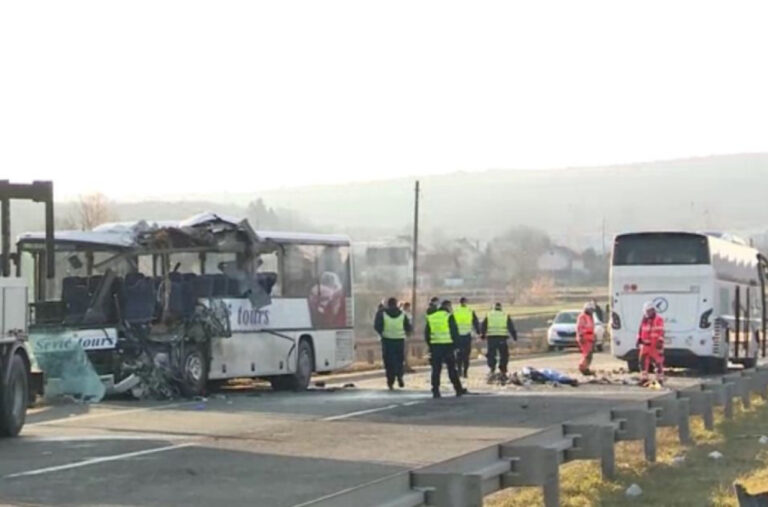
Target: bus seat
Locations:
point(137, 301)
point(220, 288)
point(203, 286)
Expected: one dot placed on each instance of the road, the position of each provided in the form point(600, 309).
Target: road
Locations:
point(257, 447)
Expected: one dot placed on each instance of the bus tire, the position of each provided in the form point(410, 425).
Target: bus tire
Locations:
point(194, 371)
point(14, 396)
point(298, 381)
point(633, 365)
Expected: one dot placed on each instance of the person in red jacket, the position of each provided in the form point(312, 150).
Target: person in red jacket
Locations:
point(650, 341)
point(585, 337)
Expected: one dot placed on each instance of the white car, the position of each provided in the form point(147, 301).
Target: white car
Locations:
point(562, 331)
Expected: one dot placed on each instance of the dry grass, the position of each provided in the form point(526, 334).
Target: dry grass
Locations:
point(700, 480)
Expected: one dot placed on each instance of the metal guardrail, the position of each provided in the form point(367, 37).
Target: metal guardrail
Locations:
point(534, 460)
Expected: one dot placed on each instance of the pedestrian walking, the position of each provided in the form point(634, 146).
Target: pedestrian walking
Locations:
point(440, 331)
point(466, 324)
point(585, 337)
point(392, 325)
point(496, 329)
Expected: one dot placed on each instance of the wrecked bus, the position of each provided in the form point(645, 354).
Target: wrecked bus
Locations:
point(162, 308)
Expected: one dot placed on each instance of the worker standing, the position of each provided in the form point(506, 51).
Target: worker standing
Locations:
point(650, 341)
point(466, 323)
point(497, 328)
point(585, 337)
point(440, 332)
point(392, 324)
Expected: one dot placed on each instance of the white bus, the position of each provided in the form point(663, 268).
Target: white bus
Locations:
point(709, 289)
point(208, 298)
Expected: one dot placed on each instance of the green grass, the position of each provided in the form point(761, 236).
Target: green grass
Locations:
point(700, 480)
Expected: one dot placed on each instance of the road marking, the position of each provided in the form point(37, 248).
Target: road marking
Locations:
point(370, 411)
point(94, 461)
point(109, 414)
point(98, 438)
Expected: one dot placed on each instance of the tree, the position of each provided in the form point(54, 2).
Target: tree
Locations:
point(93, 210)
point(511, 260)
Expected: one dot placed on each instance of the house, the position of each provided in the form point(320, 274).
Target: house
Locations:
point(561, 262)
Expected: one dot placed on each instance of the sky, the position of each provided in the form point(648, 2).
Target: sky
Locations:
point(187, 97)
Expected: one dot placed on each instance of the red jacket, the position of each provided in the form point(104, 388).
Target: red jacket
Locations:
point(585, 328)
point(651, 333)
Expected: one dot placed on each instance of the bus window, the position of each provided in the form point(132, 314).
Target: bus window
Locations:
point(299, 270)
point(265, 266)
point(660, 249)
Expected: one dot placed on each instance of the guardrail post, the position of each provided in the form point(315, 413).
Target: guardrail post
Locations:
point(722, 396)
point(741, 387)
point(593, 441)
point(534, 466)
point(637, 424)
point(673, 411)
point(445, 489)
point(761, 375)
point(700, 403)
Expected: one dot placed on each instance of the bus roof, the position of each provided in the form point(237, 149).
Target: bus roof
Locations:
point(128, 235)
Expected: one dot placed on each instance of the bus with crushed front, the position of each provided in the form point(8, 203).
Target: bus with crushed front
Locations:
point(162, 308)
point(708, 288)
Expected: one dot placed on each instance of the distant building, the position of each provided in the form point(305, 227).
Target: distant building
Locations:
point(561, 263)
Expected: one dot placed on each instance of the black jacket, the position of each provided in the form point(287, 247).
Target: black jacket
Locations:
point(378, 321)
point(510, 327)
point(451, 325)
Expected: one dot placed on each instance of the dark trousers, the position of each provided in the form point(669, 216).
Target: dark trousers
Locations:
point(498, 345)
point(463, 350)
point(393, 354)
point(444, 353)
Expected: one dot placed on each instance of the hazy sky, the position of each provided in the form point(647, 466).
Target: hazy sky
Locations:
point(159, 96)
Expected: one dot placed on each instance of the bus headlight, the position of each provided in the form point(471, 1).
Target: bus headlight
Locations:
point(615, 321)
point(704, 322)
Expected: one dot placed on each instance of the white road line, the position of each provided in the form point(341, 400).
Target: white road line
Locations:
point(94, 461)
point(359, 412)
point(370, 411)
point(98, 438)
point(108, 414)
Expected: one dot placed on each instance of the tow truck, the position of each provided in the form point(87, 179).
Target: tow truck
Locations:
point(18, 385)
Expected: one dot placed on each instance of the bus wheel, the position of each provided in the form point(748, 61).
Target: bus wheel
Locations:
point(194, 371)
point(13, 398)
point(298, 381)
point(633, 365)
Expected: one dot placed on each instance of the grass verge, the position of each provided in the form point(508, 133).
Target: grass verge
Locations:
point(698, 480)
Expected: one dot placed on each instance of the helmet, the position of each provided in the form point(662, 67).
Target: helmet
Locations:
point(648, 306)
point(589, 307)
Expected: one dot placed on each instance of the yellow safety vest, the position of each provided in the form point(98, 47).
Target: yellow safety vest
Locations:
point(463, 317)
point(394, 327)
point(497, 323)
point(439, 329)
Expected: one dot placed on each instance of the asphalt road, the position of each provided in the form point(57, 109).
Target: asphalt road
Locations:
point(256, 447)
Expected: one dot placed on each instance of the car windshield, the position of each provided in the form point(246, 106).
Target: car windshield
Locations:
point(566, 318)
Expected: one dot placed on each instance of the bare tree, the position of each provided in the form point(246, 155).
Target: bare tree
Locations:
point(95, 209)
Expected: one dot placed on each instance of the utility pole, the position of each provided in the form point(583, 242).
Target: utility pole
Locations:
point(415, 281)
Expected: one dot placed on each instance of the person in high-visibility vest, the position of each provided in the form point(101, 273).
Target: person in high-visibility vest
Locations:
point(650, 341)
point(466, 323)
point(585, 337)
point(392, 324)
point(440, 331)
point(497, 328)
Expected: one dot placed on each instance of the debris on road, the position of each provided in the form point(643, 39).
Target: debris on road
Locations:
point(763, 440)
point(67, 370)
point(634, 491)
point(716, 455)
point(678, 460)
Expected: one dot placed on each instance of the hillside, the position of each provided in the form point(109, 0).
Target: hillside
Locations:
point(716, 193)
